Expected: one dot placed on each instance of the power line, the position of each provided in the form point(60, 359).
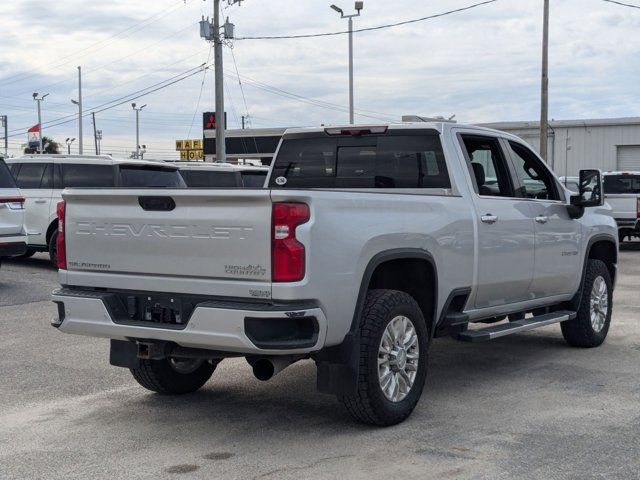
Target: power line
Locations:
point(244, 99)
point(621, 3)
point(204, 77)
point(56, 64)
point(368, 29)
point(115, 103)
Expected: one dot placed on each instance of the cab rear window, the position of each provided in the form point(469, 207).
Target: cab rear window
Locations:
point(622, 184)
point(389, 161)
point(143, 176)
point(209, 179)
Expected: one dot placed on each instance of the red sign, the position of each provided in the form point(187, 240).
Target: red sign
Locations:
point(209, 120)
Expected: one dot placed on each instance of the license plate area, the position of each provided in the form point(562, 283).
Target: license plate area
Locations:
point(157, 310)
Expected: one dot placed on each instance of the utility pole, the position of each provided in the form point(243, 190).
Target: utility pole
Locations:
point(211, 32)
point(137, 110)
point(80, 110)
point(95, 133)
point(359, 6)
point(5, 125)
point(38, 100)
point(243, 122)
point(221, 147)
point(544, 110)
point(99, 138)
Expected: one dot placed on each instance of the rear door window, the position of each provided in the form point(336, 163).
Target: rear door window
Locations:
point(487, 165)
point(30, 175)
point(6, 180)
point(393, 161)
point(143, 176)
point(87, 176)
point(622, 184)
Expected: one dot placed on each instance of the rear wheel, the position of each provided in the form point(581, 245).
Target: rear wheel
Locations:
point(53, 248)
point(29, 253)
point(591, 325)
point(394, 344)
point(173, 376)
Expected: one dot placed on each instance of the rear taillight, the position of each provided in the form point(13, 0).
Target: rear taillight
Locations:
point(287, 253)
point(60, 241)
point(14, 203)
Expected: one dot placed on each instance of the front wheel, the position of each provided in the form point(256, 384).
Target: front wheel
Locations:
point(394, 343)
point(173, 376)
point(591, 325)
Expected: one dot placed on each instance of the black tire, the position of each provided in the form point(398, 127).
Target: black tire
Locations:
point(53, 248)
point(161, 377)
point(369, 404)
point(28, 254)
point(580, 332)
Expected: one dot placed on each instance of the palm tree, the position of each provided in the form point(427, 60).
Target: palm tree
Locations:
point(49, 147)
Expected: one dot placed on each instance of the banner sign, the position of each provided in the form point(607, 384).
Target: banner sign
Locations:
point(33, 135)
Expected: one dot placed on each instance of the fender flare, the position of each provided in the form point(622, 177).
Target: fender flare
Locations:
point(599, 237)
point(338, 366)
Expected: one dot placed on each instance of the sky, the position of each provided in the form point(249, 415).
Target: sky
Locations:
point(481, 65)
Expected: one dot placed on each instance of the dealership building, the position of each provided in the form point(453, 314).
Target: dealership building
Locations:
point(607, 144)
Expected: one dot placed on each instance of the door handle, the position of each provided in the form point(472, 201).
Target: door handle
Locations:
point(488, 218)
point(542, 219)
point(41, 200)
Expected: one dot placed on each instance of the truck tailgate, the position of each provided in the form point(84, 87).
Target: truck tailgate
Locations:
point(207, 235)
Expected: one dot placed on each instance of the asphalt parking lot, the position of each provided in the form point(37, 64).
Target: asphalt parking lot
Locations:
point(526, 406)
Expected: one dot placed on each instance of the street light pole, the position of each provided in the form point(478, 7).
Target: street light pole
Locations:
point(5, 125)
point(38, 100)
point(544, 107)
point(137, 110)
point(358, 6)
point(69, 141)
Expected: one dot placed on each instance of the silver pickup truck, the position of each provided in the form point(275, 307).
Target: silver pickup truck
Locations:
point(365, 245)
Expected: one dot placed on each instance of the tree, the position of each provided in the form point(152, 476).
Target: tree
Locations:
point(49, 146)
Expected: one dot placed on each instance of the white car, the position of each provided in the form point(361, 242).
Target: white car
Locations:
point(13, 239)
point(622, 192)
point(222, 175)
point(41, 179)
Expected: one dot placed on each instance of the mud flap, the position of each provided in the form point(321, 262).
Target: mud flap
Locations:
point(338, 367)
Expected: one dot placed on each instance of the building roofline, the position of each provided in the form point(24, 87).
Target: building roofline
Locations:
point(595, 122)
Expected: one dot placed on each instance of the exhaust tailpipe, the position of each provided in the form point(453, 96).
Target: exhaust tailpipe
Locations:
point(266, 368)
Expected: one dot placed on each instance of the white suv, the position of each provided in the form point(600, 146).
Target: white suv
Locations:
point(13, 239)
point(41, 179)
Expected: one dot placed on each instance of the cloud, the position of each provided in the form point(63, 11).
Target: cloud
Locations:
point(482, 65)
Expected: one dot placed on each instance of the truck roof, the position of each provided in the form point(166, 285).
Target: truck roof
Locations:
point(220, 167)
point(88, 159)
point(438, 126)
